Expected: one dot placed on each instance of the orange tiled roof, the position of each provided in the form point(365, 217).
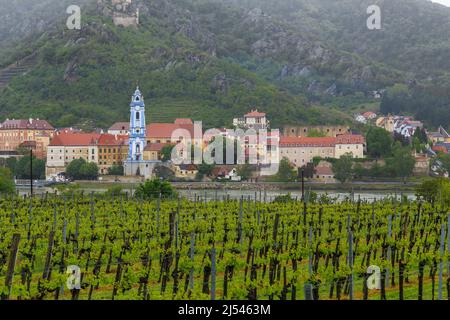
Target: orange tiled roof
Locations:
point(307, 141)
point(350, 139)
point(112, 140)
point(165, 130)
point(75, 139)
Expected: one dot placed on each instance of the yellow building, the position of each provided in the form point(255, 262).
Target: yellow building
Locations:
point(112, 151)
point(13, 133)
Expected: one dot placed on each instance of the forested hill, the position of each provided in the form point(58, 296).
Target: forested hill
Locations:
point(213, 60)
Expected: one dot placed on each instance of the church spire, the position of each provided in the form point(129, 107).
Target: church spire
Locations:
point(137, 96)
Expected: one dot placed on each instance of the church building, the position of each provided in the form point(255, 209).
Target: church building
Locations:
point(136, 165)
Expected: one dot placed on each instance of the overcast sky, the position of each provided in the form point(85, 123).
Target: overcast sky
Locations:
point(445, 2)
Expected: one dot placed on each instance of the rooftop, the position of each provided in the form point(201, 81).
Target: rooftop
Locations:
point(120, 126)
point(75, 139)
point(33, 124)
point(255, 114)
point(165, 130)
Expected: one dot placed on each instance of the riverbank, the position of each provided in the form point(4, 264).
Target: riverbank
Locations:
point(380, 186)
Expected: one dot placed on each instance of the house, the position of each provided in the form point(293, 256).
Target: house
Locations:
point(233, 175)
point(152, 151)
point(13, 133)
point(441, 135)
point(220, 172)
point(120, 128)
point(387, 123)
point(252, 120)
point(360, 118)
point(186, 171)
point(324, 173)
point(439, 148)
point(442, 147)
point(369, 115)
point(64, 148)
point(406, 127)
point(353, 144)
point(422, 166)
point(112, 150)
point(172, 132)
point(302, 150)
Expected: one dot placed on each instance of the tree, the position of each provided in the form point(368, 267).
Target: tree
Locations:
point(204, 170)
point(245, 171)
point(402, 163)
point(379, 142)
point(6, 181)
point(434, 190)
point(115, 171)
point(445, 159)
point(308, 170)
point(151, 189)
point(343, 168)
point(22, 170)
point(9, 163)
point(421, 135)
point(286, 172)
point(79, 169)
point(166, 152)
point(74, 167)
point(89, 171)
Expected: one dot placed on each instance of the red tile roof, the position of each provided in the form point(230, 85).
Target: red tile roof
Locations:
point(350, 139)
point(307, 141)
point(75, 139)
point(440, 149)
point(112, 140)
point(165, 130)
point(32, 124)
point(255, 114)
point(369, 114)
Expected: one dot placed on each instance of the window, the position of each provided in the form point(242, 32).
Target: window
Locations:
point(138, 115)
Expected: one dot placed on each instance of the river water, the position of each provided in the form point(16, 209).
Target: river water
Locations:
point(212, 194)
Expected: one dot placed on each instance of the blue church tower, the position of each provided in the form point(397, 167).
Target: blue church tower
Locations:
point(137, 135)
point(136, 165)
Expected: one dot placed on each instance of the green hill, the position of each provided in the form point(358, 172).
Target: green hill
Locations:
point(212, 60)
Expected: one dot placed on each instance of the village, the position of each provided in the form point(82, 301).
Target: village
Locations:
point(135, 150)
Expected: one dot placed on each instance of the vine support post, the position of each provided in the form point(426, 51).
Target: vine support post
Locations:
point(389, 249)
point(191, 254)
point(441, 261)
point(448, 246)
point(213, 273)
point(350, 263)
point(11, 265)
